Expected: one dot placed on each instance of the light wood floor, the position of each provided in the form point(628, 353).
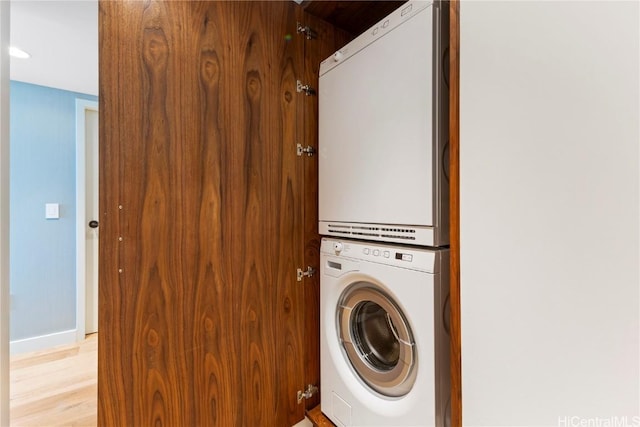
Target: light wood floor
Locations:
point(56, 387)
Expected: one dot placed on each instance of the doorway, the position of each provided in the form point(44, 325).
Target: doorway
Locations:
point(64, 58)
point(87, 225)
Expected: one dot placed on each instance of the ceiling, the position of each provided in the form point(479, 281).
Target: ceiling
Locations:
point(62, 38)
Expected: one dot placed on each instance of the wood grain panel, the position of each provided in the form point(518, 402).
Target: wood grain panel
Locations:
point(213, 373)
point(116, 378)
point(201, 315)
point(328, 40)
point(454, 211)
point(158, 367)
point(252, 181)
point(291, 308)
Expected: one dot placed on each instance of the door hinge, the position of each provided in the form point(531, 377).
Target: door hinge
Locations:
point(302, 274)
point(308, 150)
point(308, 90)
point(307, 31)
point(310, 391)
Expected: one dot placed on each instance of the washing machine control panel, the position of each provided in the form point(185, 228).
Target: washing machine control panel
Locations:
point(407, 257)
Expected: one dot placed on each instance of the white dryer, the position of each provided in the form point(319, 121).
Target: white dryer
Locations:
point(383, 131)
point(384, 339)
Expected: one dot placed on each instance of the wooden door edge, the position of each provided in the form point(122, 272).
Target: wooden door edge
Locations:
point(454, 212)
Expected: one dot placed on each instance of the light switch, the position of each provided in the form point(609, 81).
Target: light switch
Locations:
point(52, 210)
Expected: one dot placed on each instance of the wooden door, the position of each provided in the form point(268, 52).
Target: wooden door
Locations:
point(201, 316)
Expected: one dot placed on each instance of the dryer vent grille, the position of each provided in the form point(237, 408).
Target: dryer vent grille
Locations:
point(372, 232)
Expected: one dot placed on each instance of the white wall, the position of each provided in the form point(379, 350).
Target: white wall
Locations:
point(4, 213)
point(550, 236)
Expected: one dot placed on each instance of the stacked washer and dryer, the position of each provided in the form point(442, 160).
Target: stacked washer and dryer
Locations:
point(383, 209)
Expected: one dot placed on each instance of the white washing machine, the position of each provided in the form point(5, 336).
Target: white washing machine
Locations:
point(384, 341)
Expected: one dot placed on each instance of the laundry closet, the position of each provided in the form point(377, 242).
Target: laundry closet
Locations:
point(209, 250)
point(384, 212)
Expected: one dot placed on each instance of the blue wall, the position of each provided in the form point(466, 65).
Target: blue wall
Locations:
point(42, 171)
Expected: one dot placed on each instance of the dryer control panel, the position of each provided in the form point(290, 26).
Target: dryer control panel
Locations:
point(427, 260)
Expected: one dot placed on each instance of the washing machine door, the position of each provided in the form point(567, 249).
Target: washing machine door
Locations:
point(377, 339)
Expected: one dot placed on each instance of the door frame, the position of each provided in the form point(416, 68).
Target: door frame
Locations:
point(4, 212)
point(82, 106)
point(454, 215)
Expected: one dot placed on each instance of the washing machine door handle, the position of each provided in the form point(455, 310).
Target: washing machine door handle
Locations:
point(345, 318)
point(395, 333)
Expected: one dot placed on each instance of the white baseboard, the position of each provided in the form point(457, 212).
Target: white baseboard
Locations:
point(42, 342)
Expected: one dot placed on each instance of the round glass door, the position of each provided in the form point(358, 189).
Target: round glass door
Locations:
point(377, 339)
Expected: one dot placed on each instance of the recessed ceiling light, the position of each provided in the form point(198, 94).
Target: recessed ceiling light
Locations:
point(18, 53)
